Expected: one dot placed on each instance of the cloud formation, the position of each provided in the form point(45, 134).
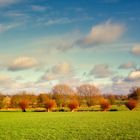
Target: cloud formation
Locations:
point(38, 8)
point(4, 79)
point(128, 65)
point(136, 50)
point(6, 27)
point(63, 68)
point(134, 75)
point(23, 63)
point(104, 33)
point(7, 2)
point(58, 72)
point(101, 71)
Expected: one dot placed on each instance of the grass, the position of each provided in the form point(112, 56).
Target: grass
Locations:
point(123, 125)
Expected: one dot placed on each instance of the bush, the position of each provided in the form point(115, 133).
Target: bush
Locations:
point(73, 105)
point(49, 104)
point(104, 104)
point(23, 104)
point(113, 109)
point(131, 104)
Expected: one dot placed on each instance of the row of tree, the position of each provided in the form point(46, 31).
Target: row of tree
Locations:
point(64, 96)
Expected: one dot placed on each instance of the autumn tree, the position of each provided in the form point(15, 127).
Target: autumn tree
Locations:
point(6, 101)
point(1, 101)
point(16, 99)
point(88, 92)
point(41, 99)
point(111, 98)
point(73, 104)
point(61, 94)
point(104, 104)
point(131, 104)
point(49, 104)
point(23, 104)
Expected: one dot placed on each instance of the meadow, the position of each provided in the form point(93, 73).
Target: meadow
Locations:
point(120, 125)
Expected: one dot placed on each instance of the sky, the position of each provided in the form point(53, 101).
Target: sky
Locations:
point(74, 42)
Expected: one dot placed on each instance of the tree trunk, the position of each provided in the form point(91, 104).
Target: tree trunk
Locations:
point(72, 110)
point(23, 110)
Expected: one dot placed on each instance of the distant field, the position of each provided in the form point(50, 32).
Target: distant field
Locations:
point(123, 125)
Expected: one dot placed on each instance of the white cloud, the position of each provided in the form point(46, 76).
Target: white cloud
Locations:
point(107, 32)
point(58, 72)
point(122, 85)
point(63, 68)
point(127, 65)
point(65, 20)
point(4, 79)
point(23, 63)
point(134, 75)
point(7, 2)
point(61, 43)
point(6, 27)
point(101, 71)
point(136, 49)
point(38, 8)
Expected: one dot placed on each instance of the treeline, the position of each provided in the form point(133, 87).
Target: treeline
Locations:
point(63, 96)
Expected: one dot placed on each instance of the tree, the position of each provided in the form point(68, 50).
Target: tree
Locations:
point(73, 104)
point(49, 104)
point(88, 92)
point(16, 99)
point(135, 93)
point(131, 104)
point(104, 104)
point(6, 101)
point(111, 98)
point(61, 94)
point(41, 99)
point(1, 101)
point(23, 104)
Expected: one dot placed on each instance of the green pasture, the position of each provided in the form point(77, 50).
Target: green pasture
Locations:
point(120, 125)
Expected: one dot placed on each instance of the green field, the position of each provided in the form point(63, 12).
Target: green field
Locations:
point(123, 125)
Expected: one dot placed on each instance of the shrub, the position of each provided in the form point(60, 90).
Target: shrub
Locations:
point(73, 105)
point(113, 109)
point(23, 104)
point(131, 104)
point(104, 104)
point(49, 104)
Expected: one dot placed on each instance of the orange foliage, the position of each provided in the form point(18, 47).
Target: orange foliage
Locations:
point(73, 105)
point(23, 104)
point(105, 105)
point(131, 104)
point(49, 104)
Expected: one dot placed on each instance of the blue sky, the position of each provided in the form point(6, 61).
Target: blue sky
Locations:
point(47, 42)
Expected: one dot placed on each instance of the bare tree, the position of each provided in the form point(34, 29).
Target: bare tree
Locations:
point(61, 94)
point(88, 92)
point(134, 93)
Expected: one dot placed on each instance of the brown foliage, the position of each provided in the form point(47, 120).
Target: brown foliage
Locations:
point(49, 104)
point(104, 104)
point(23, 104)
point(73, 105)
point(131, 104)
